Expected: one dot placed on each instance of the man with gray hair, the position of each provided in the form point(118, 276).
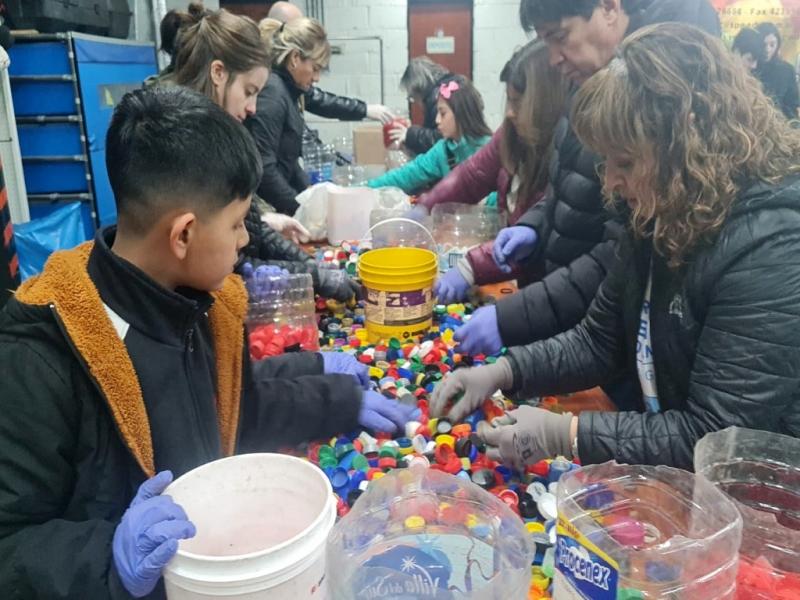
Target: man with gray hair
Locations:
point(325, 104)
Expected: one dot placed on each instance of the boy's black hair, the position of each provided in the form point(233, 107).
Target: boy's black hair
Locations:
point(170, 147)
point(749, 41)
point(533, 13)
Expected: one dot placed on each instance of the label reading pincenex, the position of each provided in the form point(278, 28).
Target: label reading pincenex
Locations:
point(583, 571)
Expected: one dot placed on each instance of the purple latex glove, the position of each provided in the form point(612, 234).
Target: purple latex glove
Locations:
point(147, 537)
point(345, 364)
point(451, 287)
point(512, 245)
point(263, 279)
point(480, 335)
point(379, 413)
point(418, 213)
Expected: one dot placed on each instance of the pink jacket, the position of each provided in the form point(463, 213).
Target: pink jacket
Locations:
point(470, 182)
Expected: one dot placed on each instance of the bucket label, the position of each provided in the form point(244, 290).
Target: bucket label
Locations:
point(583, 571)
point(398, 309)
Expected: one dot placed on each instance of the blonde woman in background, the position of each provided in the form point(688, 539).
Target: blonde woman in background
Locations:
point(298, 52)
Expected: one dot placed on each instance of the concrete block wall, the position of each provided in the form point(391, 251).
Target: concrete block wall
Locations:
point(356, 71)
point(496, 33)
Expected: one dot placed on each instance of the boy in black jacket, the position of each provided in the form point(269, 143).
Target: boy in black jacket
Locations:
point(126, 358)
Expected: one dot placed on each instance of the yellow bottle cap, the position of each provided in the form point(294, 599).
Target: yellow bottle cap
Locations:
point(414, 522)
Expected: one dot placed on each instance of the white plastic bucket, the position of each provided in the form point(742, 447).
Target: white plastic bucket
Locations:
point(348, 213)
point(262, 523)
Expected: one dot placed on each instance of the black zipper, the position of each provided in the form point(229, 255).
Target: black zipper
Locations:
point(187, 364)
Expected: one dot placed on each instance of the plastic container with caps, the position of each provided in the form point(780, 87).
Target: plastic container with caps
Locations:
point(459, 227)
point(633, 531)
point(761, 472)
point(281, 315)
point(419, 533)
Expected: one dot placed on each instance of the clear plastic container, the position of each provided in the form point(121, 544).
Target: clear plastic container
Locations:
point(281, 316)
point(349, 175)
point(651, 532)
point(420, 533)
point(396, 232)
point(761, 472)
point(343, 146)
point(396, 156)
point(459, 227)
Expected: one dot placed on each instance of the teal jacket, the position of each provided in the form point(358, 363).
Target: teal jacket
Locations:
point(427, 169)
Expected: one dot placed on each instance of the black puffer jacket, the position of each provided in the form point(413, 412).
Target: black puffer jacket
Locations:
point(330, 106)
point(725, 332)
point(576, 233)
point(268, 247)
point(278, 128)
point(92, 402)
point(421, 139)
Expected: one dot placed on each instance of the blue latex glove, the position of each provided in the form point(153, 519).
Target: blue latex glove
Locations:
point(512, 245)
point(451, 287)
point(480, 335)
point(147, 537)
point(263, 279)
point(379, 413)
point(418, 213)
point(345, 364)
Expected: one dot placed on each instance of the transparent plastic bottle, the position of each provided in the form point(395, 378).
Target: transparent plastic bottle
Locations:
point(281, 316)
point(633, 531)
point(761, 472)
point(459, 227)
point(419, 533)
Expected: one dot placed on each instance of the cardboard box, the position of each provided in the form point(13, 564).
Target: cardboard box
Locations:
point(368, 148)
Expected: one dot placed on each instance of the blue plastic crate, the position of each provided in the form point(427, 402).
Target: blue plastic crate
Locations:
point(46, 177)
point(50, 139)
point(32, 98)
point(39, 58)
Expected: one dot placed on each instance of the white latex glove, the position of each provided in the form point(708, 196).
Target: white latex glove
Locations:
point(398, 133)
point(287, 226)
point(379, 112)
point(4, 60)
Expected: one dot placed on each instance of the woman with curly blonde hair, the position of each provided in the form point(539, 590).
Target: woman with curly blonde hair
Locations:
point(704, 301)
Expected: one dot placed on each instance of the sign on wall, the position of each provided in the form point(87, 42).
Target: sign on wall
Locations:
point(785, 14)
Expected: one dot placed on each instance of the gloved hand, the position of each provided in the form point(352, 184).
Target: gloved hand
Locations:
point(379, 112)
point(418, 213)
point(345, 364)
point(147, 537)
point(473, 385)
point(337, 284)
point(480, 335)
point(398, 133)
point(379, 413)
point(512, 245)
point(263, 279)
point(527, 435)
point(451, 287)
point(287, 226)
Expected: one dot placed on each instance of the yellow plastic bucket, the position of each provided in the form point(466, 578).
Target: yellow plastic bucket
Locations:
point(398, 286)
